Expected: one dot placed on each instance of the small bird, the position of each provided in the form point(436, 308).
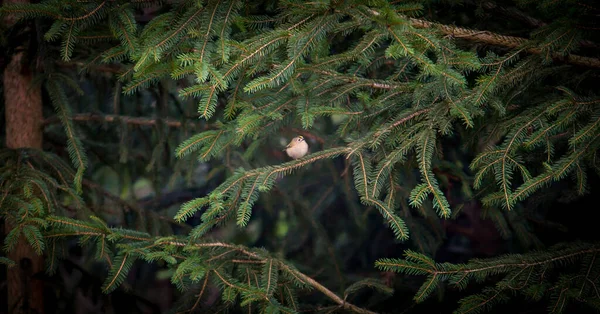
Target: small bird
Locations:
point(297, 147)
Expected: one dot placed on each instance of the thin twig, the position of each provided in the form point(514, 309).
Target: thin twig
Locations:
point(84, 117)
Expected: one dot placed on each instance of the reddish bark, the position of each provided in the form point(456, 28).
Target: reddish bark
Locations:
point(23, 110)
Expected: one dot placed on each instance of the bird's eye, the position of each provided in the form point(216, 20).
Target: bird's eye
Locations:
point(300, 139)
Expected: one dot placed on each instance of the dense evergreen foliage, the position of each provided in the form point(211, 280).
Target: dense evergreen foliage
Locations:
point(416, 110)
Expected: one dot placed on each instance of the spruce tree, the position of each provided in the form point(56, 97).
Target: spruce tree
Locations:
point(382, 90)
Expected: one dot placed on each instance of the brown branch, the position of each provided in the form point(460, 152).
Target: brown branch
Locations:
point(501, 40)
point(351, 79)
point(84, 117)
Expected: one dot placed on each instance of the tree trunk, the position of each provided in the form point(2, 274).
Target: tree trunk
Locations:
point(23, 109)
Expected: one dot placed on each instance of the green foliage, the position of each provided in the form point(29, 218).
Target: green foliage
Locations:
point(396, 90)
point(192, 262)
point(368, 283)
point(533, 275)
point(60, 102)
point(32, 185)
point(7, 261)
point(118, 272)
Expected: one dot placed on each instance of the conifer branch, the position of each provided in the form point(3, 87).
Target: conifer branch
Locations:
point(85, 16)
point(398, 122)
point(518, 271)
point(502, 40)
point(124, 261)
point(302, 277)
point(491, 267)
point(199, 297)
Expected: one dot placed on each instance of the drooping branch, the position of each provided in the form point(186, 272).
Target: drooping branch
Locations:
point(87, 230)
point(304, 278)
point(501, 40)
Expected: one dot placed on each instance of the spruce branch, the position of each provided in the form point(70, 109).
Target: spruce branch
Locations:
point(389, 128)
point(87, 15)
point(60, 102)
point(204, 285)
point(502, 40)
point(118, 272)
point(524, 273)
point(302, 277)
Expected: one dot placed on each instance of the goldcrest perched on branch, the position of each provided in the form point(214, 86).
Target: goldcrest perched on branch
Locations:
point(297, 147)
